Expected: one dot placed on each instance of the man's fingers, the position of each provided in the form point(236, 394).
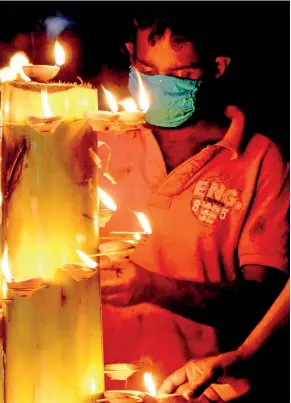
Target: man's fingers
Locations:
point(114, 300)
point(173, 381)
point(198, 384)
point(109, 287)
point(197, 388)
point(212, 396)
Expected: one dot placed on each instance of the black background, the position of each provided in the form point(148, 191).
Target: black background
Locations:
point(257, 31)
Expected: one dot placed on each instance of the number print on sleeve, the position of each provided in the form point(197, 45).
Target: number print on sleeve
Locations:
point(223, 213)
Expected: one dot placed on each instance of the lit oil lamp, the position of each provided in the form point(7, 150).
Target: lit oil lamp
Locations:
point(122, 396)
point(122, 372)
point(119, 121)
point(21, 287)
point(14, 70)
point(105, 214)
point(121, 244)
point(44, 73)
point(153, 395)
point(81, 271)
point(48, 122)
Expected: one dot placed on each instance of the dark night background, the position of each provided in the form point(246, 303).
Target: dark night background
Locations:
point(257, 32)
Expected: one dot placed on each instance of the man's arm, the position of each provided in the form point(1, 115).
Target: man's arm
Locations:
point(214, 304)
point(217, 303)
point(196, 375)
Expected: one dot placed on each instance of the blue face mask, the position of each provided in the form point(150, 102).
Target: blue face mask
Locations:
point(172, 99)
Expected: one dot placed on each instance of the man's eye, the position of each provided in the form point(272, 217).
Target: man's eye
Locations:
point(192, 74)
point(149, 72)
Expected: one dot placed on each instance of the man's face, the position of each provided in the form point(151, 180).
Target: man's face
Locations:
point(167, 56)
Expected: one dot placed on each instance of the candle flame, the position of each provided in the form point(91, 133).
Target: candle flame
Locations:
point(5, 266)
point(93, 387)
point(59, 54)
point(111, 100)
point(109, 203)
point(129, 105)
point(14, 70)
point(88, 262)
point(16, 62)
point(143, 97)
point(144, 222)
point(45, 104)
point(149, 383)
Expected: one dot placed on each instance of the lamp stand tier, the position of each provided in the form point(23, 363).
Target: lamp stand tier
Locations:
point(52, 337)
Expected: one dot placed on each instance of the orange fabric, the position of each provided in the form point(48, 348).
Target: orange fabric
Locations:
point(223, 208)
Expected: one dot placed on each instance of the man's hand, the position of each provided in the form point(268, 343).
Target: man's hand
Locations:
point(131, 286)
point(196, 376)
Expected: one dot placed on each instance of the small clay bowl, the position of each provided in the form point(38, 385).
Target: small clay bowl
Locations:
point(41, 73)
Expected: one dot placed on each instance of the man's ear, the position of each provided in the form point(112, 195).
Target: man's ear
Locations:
point(130, 48)
point(221, 64)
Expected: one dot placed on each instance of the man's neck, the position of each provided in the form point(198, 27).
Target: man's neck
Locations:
point(178, 145)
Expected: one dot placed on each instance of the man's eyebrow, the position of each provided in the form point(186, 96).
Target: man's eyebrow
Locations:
point(146, 63)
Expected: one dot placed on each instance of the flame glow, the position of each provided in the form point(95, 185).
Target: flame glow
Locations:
point(5, 266)
point(14, 70)
point(4, 290)
point(109, 203)
point(143, 97)
point(87, 261)
point(111, 100)
point(144, 222)
point(17, 61)
point(93, 387)
point(45, 104)
point(129, 105)
point(59, 54)
point(7, 74)
point(137, 236)
point(149, 383)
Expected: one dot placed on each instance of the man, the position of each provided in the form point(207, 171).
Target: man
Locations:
point(196, 375)
point(217, 199)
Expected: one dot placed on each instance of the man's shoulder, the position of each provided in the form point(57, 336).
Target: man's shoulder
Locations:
point(263, 146)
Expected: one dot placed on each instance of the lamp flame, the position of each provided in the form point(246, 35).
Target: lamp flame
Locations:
point(59, 54)
point(143, 97)
point(149, 383)
point(5, 266)
point(129, 105)
point(111, 100)
point(109, 203)
point(16, 62)
point(88, 262)
point(45, 104)
point(14, 70)
point(93, 387)
point(144, 222)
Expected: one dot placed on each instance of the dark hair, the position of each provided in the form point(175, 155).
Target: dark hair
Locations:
point(201, 29)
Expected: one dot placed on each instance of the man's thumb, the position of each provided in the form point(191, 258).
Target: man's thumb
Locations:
point(197, 387)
